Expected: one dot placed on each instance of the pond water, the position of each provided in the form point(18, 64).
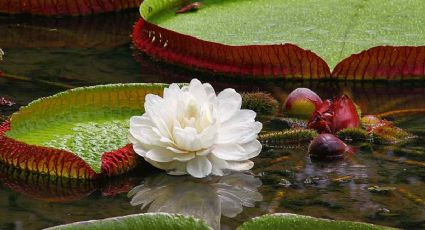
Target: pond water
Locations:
point(48, 55)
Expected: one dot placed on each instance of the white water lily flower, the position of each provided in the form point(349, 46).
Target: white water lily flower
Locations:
point(191, 130)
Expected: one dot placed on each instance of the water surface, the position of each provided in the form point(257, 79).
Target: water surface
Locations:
point(45, 56)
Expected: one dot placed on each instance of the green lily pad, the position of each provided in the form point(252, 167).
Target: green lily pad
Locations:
point(333, 29)
point(294, 222)
point(53, 135)
point(152, 221)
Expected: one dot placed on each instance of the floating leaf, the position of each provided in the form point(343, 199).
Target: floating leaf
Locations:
point(65, 7)
point(153, 221)
point(383, 63)
point(242, 37)
point(295, 222)
point(80, 133)
point(267, 61)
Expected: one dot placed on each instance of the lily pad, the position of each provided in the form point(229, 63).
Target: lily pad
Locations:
point(294, 222)
point(153, 221)
point(80, 133)
point(68, 7)
point(263, 37)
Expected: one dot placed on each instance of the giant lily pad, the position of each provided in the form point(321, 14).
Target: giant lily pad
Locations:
point(153, 221)
point(294, 222)
point(80, 133)
point(262, 38)
point(65, 7)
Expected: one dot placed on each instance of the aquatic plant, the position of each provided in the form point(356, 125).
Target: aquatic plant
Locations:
point(153, 221)
point(327, 146)
point(334, 115)
point(80, 133)
point(256, 50)
point(301, 103)
point(260, 102)
point(191, 130)
point(298, 222)
point(159, 221)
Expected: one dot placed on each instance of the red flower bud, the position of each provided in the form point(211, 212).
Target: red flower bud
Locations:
point(302, 102)
point(334, 115)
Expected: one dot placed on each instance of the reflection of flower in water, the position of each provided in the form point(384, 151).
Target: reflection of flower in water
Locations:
point(205, 199)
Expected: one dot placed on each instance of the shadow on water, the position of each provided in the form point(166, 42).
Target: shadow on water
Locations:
point(93, 50)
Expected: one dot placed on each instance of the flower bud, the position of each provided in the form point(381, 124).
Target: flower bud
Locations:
point(301, 103)
point(327, 146)
point(334, 115)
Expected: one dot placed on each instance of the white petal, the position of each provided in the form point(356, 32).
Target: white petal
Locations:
point(252, 148)
point(241, 133)
point(210, 92)
point(229, 103)
point(241, 116)
point(176, 150)
point(139, 150)
point(240, 165)
point(233, 152)
point(209, 136)
point(172, 92)
point(187, 139)
point(198, 91)
point(199, 167)
point(237, 152)
point(217, 165)
point(165, 155)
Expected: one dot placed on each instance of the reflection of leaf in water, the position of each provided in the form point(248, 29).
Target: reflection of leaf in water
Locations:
point(56, 189)
point(98, 31)
point(206, 199)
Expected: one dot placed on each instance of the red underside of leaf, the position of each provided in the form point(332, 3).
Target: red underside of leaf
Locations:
point(264, 61)
point(65, 7)
point(383, 63)
point(61, 163)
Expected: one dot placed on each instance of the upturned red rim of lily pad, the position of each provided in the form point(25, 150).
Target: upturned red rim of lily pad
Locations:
point(80, 133)
point(279, 61)
point(65, 7)
point(61, 163)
